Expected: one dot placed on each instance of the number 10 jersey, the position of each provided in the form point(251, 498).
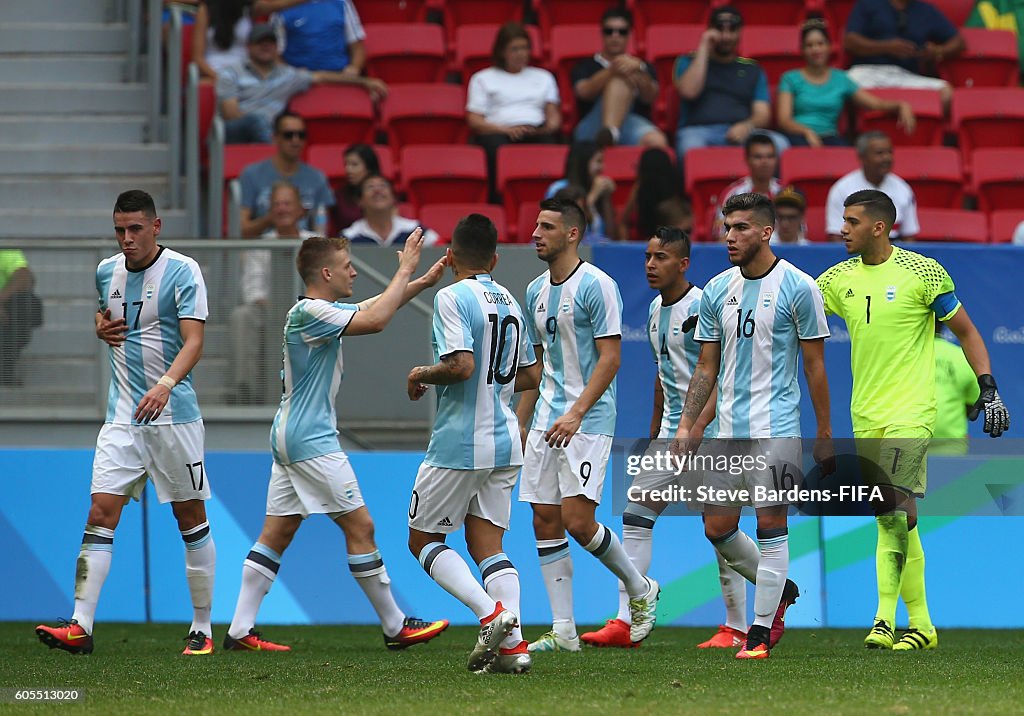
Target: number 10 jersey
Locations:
point(475, 427)
point(759, 323)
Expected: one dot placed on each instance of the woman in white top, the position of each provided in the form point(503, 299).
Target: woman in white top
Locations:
point(219, 35)
point(511, 101)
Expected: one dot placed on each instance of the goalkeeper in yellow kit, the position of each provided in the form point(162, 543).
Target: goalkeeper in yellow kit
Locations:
point(890, 299)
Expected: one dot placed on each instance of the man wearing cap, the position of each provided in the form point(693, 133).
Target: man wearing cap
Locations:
point(252, 94)
point(724, 96)
point(790, 205)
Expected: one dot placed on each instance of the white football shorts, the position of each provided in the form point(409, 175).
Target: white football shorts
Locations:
point(552, 474)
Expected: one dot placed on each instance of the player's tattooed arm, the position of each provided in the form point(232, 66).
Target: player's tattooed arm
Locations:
point(452, 368)
point(698, 393)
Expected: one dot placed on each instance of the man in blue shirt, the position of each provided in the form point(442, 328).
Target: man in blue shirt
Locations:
point(896, 43)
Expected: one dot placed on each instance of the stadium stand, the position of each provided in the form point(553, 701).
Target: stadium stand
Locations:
point(424, 114)
point(442, 218)
point(990, 60)
point(934, 173)
point(473, 45)
point(336, 114)
point(405, 52)
point(997, 178)
point(815, 170)
point(1003, 223)
point(952, 225)
point(927, 106)
point(444, 174)
point(524, 173)
point(707, 172)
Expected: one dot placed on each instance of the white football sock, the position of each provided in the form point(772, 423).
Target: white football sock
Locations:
point(447, 568)
point(200, 564)
point(556, 568)
point(734, 593)
point(370, 574)
point(501, 580)
point(740, 553)
point(606, 547)
point(90, 572)
point(637, 532)
point(771, 574)
point(258, 573)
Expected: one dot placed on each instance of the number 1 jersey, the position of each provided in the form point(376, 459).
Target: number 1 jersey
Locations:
point(151, 300)
point(475, 427)
point(759, 323)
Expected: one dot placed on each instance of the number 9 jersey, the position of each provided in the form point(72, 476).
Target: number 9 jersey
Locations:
point(759, 323)
point(475, 427)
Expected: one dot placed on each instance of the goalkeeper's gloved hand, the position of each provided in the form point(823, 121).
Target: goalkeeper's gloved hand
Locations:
point(997, 417)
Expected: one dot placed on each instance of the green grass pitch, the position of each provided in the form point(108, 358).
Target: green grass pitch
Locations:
point(343, 669)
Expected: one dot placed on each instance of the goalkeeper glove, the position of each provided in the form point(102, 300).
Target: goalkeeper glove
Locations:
point(997, 417)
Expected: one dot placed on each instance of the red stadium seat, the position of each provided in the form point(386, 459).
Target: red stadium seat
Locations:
point(569, 45)
point(665, 43)
point(330, 159)
point(620, 163)
point(815, 169)
point(336, 114)
point(814, 220)
point(444, 174)
point(956, 11)
point(1003, 224)
point(526, 222)
point(707, 172)
point(424, 114)
point(998, 178)
point(648, 14)
point(769, 12)
point(524, 173)
point(378, 11)
point(988, 117)
point(238, 156)
point(567, 12)
point(473, 45)
point(990, 60)
point(405, 52)
point(442, 218)
point(927, 106)
point(776, 48)
point(934, 173)
point(955, 225)
point(479, 12)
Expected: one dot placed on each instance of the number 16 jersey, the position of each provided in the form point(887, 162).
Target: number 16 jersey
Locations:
point(759, 323)
point(475, 427)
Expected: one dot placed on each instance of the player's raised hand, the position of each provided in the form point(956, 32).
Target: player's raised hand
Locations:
point(562, 430)
point(152, 404)
point(110, 331)
point(414, 387)
point(997, 417)
point(409, 257)
point(435, 272)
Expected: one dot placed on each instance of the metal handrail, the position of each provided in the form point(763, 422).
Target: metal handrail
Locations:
point(215, 178)
point(174, 107)
point(154, 79)
point(192, 150)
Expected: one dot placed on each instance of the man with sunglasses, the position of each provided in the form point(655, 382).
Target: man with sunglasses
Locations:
point(258, 179)
point(724, 96)
point(614, 90)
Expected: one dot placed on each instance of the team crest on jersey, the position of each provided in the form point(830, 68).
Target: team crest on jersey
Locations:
point(766, 299)
point(565, 307)
point(150, 290)
point(676, 328)
point(890, 293)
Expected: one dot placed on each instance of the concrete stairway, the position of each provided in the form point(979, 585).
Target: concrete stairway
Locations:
point(71, 127)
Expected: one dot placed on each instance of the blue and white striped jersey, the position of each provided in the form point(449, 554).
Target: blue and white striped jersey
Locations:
point(306, 425)
point(760, 323)
point(566, 319)
point(475, 427)
point(670, 329)
point(151, 301)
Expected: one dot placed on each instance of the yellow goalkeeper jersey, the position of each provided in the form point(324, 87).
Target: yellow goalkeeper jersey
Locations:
point(890, 311)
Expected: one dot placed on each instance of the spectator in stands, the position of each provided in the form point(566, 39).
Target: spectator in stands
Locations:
point(790, 207)
point(324, 35)
point(20, 312)
point(511, 101)
point(614, 90)
point(381, 223)
point(763, 163)
point(258, 178)
point(724, 96)
point(811, 98)
point(360, 162)
point(655, 199)
point(584, 167)
point(220, 35)
point(874, 149)
point(578, 195)
point(896, 43)
point(249, 317)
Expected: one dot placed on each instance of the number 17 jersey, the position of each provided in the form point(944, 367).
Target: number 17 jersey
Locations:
point(759, 323)
point(475, 427)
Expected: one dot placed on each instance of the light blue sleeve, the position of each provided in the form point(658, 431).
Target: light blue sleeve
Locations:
point(452, 329)
point(808, 309)
point(604, 306)
point(531, 306)
point(709, 328)
point(527, 356)
point(185, 292)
